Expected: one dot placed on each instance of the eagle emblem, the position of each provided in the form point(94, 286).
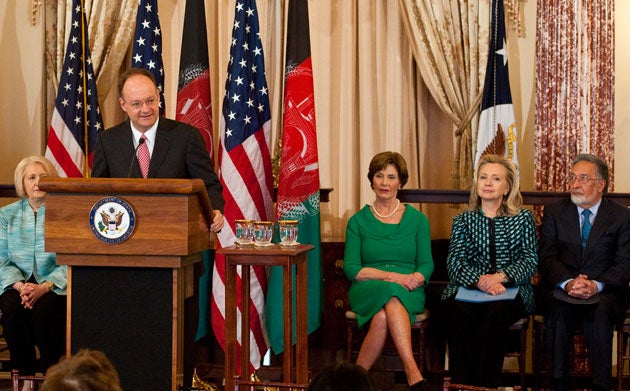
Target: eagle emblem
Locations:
point(110, 221)
point(498, 144)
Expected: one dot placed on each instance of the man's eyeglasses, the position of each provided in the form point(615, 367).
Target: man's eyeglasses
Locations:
point(137, 104)
point(583, 179)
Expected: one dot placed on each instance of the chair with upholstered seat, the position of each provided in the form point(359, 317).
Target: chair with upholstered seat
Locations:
point(18, 380)
point(418, 332)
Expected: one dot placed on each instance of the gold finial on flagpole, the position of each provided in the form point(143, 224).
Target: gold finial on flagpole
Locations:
point(256, 378)
point(199, 384)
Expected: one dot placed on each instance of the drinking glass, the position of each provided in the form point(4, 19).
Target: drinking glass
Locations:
point(244, 232)
point(288, 232)
point(263, 233)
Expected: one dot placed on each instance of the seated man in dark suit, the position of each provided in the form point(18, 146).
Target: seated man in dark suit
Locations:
point(172, 149)
point(585, 268)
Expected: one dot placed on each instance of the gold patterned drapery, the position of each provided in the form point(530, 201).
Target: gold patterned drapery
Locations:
point(575, 80)
point(448, 40)
point(110, 30)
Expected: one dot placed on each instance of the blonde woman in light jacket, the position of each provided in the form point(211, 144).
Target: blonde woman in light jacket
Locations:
point(33, 300)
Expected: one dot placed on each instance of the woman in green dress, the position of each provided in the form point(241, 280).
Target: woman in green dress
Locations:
point(388, 259)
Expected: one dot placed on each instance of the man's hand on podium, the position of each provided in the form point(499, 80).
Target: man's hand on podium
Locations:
point(217, 221)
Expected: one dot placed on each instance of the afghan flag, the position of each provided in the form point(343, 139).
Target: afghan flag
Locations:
point(194, 107)
point(298, 188)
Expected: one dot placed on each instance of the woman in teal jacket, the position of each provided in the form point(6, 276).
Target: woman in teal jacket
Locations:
point(33, 301)
point(388, 259)
point(493, 247)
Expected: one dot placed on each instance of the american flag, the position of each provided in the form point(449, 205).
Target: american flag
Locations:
point(147, 44)
point(244, 166)
point(497, 132)
point(76, 119)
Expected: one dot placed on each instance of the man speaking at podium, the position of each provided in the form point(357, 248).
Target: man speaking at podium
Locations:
point(169, 149)
point(149, 146)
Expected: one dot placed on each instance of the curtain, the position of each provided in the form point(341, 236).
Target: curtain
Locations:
point(449, 40)
point(110, 29)
point(365, 92)
point(368, 105)
point(369, 96)
point(575, 82)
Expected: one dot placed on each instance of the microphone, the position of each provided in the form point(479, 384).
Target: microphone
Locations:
point(135, 156)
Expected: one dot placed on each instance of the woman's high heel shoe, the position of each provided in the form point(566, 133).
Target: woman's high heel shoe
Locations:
point(422, 385)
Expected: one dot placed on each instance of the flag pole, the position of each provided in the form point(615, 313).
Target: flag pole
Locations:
point(86, 164)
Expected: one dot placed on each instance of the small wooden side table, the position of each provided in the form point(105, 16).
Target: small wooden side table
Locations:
point(271, 256)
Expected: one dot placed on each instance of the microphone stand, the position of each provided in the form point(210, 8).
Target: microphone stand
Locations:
point(135, 156)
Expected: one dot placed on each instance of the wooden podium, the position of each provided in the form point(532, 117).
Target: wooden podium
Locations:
point(126, 294)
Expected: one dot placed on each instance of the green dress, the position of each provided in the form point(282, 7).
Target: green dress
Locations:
point(403, 248)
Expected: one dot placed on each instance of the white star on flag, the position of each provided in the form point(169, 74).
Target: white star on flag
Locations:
point(147, 47)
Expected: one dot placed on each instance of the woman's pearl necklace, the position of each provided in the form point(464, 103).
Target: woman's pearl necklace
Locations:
point(385, 216)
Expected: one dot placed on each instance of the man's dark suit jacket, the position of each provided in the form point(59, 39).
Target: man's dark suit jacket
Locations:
point(179, 152)
point(606, 257)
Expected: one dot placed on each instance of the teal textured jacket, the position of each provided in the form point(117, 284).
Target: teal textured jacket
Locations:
point(22, 252)
point(516, 251)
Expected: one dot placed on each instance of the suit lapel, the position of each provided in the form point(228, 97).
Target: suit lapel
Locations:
point(126, 145)
point(599, 226)
point(571, 223)
point(160, 149)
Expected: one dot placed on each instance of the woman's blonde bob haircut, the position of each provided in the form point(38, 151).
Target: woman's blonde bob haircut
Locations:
point(18, 177)
point(513, 201)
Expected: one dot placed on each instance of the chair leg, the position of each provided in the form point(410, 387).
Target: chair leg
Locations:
point(421, 349)
point(14, 379)
point(521, 356)
point(619, 360)
point(537, 339)
point(622, 343)
point(349, 343)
